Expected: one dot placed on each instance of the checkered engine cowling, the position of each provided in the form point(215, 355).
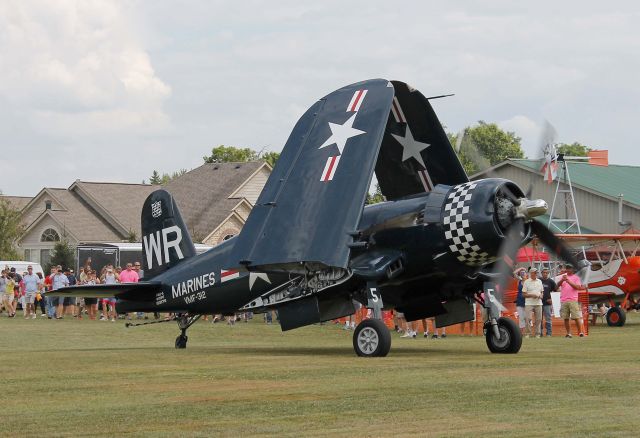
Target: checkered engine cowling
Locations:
point(457, 229)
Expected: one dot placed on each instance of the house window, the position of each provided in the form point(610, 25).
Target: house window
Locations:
point(27, 255)
point(50, 235)
point(45, 257)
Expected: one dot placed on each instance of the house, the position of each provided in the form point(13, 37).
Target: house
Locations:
point(214, 199)
point(600, 192)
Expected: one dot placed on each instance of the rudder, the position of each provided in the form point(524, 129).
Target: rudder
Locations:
point(165, 238)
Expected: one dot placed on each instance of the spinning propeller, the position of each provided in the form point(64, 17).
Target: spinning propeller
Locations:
point(516, 214)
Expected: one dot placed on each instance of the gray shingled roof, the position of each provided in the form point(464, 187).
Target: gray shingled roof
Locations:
point(122, 201)
point(210, 184)
point(81, 221)
point(18, 202)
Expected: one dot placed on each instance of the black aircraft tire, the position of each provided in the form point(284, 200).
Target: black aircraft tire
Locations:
point(616, 317)
point(181, 341)
point(372, 339)
point(511, 337)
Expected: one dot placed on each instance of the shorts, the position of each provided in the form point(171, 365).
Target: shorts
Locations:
point(69, 301)
point(109, 300)
point(90, 301)
point(570, 310)
point(8, 297)
point(30, 297)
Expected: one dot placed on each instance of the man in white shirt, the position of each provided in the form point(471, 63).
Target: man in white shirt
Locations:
point(31, 286)
point(532, 290)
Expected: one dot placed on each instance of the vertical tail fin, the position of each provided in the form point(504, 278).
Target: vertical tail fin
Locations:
point(165, 238)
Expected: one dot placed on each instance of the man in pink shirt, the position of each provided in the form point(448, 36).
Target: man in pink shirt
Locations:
point(569, 285)
point(129, 275)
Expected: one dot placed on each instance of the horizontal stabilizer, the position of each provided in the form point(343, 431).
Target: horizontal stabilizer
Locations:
point(142, 291)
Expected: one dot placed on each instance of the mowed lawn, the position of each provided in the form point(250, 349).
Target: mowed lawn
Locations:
point(69, 377)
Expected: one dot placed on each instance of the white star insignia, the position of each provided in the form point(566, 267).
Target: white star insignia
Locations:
point(253, 276)
point(341, 133)
point(622, 281)
point(412, 148)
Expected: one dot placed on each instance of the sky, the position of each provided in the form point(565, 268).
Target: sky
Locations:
point(111, 90)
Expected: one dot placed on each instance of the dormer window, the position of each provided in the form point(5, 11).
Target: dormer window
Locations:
point(47, 205)
point(50, 235)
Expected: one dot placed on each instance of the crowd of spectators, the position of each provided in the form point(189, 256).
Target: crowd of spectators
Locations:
point(534, 303)
point(30, 290)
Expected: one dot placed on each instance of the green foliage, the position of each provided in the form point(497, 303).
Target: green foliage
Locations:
point(574, 149)
point(10, 230)
point(485, 145)
point(227, 154)
point(155, 178)
point(230, 154)
point(63, 255)
point(376, 197)
point(132, 237)
point(270, 158)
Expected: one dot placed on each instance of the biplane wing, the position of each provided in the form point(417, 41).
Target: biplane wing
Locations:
point(627, 242)
point(313, 200)
point(416, 154)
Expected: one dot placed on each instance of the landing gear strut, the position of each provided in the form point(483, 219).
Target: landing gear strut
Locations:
point(184, 322)
point(372, 338)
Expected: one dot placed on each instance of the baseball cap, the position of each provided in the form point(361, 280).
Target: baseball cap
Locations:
point(568, 266)
point(533, 270)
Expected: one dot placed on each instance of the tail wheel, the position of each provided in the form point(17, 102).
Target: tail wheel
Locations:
point(371, 338)
point(510, 338)
point(616, 317)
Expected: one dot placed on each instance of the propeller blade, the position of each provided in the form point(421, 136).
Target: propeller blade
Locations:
point(503, 267)
point(553, 242)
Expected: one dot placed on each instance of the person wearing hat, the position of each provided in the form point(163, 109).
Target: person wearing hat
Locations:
point(570, 285)
point(532, 291)
point(32, 284)
point(547, 308)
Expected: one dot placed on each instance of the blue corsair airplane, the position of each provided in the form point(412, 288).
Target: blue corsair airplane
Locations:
point(310, 246)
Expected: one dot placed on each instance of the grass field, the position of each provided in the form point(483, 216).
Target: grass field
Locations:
point(68, 377)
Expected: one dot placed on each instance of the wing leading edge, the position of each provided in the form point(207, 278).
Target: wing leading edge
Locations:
point(314, 197)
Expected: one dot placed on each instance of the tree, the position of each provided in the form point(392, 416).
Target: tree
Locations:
point(62, 255)
point(10, 230)
point(270, 158)
point(574, 149)
point(155, 179)
point(375, 197)
point(485, 145)
point(226, 154)
point(230, 154)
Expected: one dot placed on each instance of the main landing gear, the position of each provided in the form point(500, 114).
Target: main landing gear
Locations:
point(616, 317)
point(371, 337)
point(184, 322)
point(503, 336)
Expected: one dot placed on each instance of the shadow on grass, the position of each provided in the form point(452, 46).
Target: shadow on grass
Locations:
point(345, 351)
